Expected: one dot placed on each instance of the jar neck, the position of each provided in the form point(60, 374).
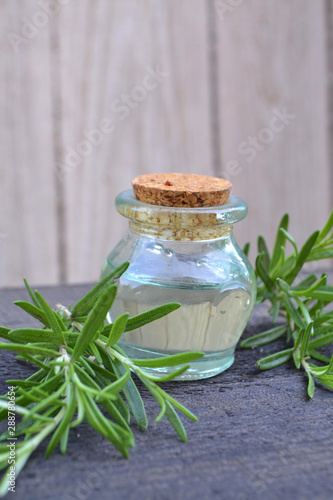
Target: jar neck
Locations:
point(181, 223)
point(171, 233)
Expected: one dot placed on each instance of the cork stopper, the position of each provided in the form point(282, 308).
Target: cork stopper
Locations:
point(181, 190)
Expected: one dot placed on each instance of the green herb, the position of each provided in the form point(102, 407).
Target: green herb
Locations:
point(83, 375)
point(308, 323)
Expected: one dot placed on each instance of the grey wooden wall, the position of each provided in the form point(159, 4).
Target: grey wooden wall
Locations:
point(94, 92)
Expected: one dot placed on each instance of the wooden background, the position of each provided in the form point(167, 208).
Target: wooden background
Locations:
point(226, 71)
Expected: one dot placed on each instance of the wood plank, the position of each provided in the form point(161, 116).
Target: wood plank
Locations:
point(272, 62)
point(329, 50)
point(107, 50)
point(255, 434)
point(28, 205)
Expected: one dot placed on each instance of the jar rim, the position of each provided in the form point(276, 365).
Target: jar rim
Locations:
point(223, 215)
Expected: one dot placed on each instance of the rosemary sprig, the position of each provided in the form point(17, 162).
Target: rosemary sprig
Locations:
point(83, 375)
point(308, 323)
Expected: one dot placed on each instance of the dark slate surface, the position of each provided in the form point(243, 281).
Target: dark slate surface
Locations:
point(258, 436)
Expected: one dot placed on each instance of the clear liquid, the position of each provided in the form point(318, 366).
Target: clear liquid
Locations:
point(209, 319)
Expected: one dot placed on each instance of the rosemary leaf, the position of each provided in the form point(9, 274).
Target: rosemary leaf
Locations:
point(326, 229)
point(146, 317)
point(175, 421)
point(262, 248)
point(33, 335)
point(274, 360)
point(280, 241)
point(33, 310)
point(118, 328)
point(132, 396)
point(265, 337)
point(95, 320)
point(302, 257)
point(311, 386)
point(85, 305)
point(51, 317)
point(171, 360)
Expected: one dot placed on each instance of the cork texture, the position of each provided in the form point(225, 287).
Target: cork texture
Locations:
point(181, 190)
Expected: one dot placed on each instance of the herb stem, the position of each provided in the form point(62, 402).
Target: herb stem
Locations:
point(115, 354)
point(73, 384)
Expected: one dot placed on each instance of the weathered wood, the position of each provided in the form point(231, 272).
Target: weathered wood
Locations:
point(128, 64)
point(28, 218)
point(258, 436)
point(227, 66)
point(329, 52)
point(273, 88)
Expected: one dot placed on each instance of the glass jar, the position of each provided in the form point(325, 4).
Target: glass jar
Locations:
point(190, 256)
